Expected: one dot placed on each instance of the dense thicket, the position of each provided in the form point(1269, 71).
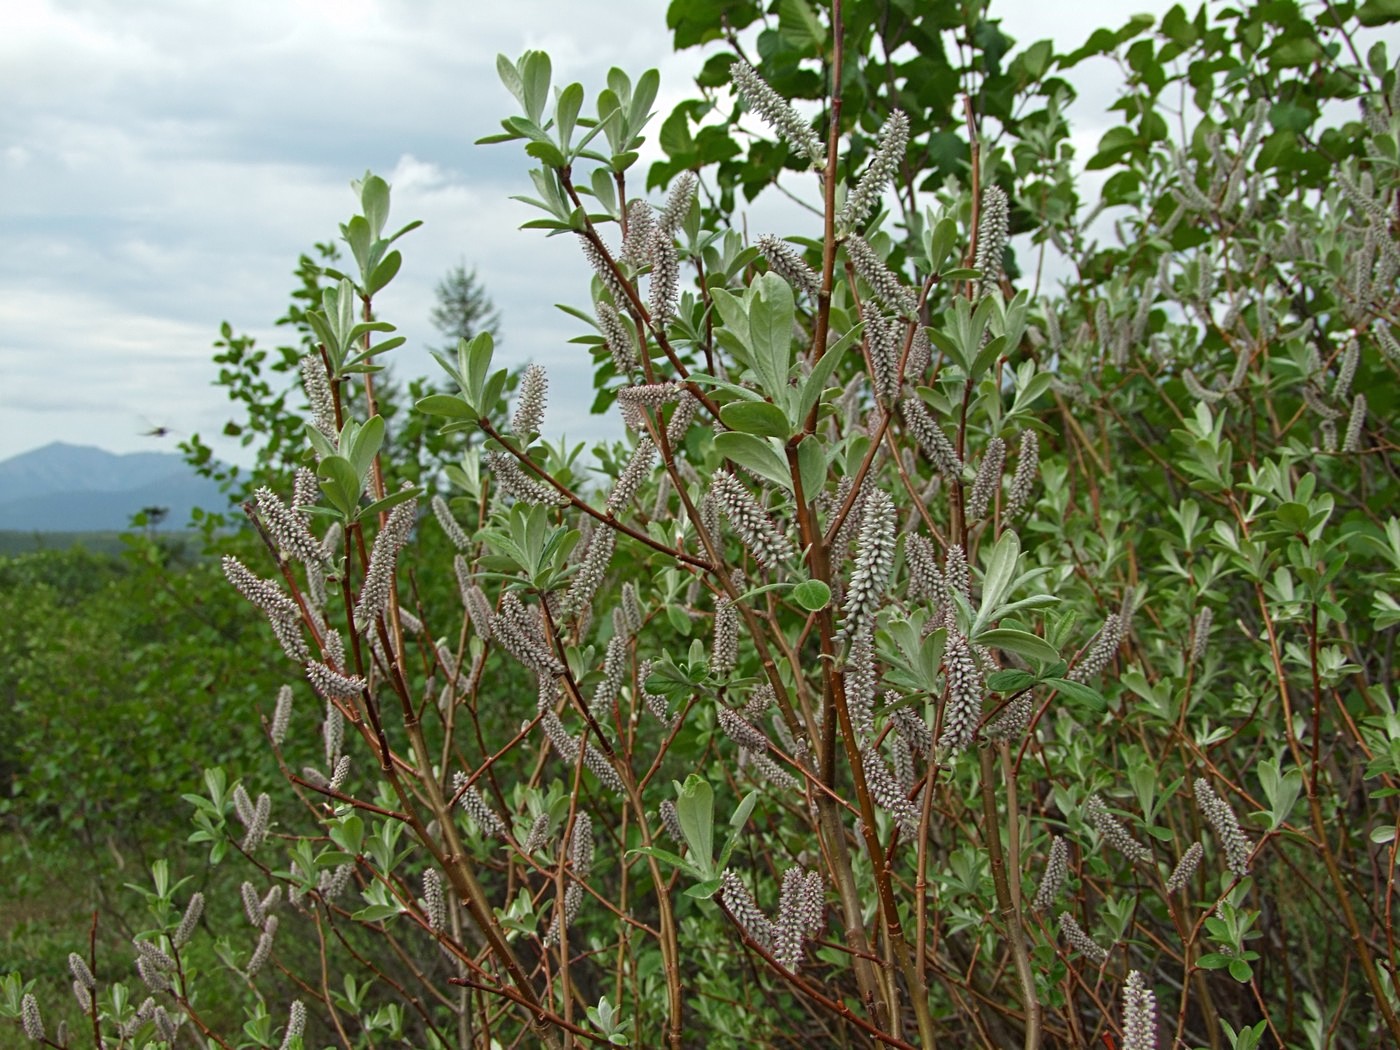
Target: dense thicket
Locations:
point(983, 636)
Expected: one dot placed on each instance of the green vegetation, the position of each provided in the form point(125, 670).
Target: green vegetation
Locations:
point(941, 660)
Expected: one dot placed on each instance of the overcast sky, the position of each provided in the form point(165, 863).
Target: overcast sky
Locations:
point(166, 161)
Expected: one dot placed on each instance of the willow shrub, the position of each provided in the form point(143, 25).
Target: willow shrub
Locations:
point(935, 663)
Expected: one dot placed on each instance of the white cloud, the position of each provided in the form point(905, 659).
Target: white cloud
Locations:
point(166, 163)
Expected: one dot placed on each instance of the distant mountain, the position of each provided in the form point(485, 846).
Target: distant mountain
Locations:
point(75, 488)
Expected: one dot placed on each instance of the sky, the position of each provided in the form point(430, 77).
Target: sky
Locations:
point(163, 163)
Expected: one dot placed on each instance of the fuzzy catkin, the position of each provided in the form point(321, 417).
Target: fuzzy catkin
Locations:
point(925, 578)
point(886, 285)
point(956, 571)
point(265, 594)
point(886, 792)
point(930, 437)
point(331, 684)
point(78, 966)
point(963, 708)
point(614, 665)
point(318, 395)
point(875, 546)
point(778, 114)
point(383, 557)
point(755, 528)
point(257, 827)
point(1227, 828)
point(655, 703)
point(1351, 441)
point(538, 835)
point(333, 733)
point(860, 683)
point(434, 906)
point(1081, 941)
point(530, 403)
point(1185, 867)
point(1200, 634)
point(663, 290)
point(1100, 650)
point(681, 418)
point(252, 904)
point(724, 650)
point(787, 262)
point(908, 723)
point(281, 715)
point(476, 807)
point(597, 763)
point(581, 845)
point(988, 481)
point(1053, 880)
point(339, 773)
point(1139, 1014)
point(738, 730)
point(641, 229)
point(617, 338)
point(740, 902)
point(884, 338)
point(287, 528)
point(670, 821)
point(592, 568)
point(603, 269)
point(263, 950)
point(799, 915)
point(296, 1025)
point(30, 1019)
point(638, 468)
point(992, 230)
point(884, 164)
point(630, 609)
point(521, 636)
point(156, 955)
point(678, 203)
point(1115, 833)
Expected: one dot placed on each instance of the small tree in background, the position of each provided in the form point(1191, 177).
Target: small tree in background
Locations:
point(463, 309)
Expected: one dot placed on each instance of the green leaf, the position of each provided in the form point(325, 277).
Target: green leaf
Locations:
point(695, 810)
point(566, 111)
point(1001, 569)
point(1031, 646)
point(349, 834)
point(799, 26)
point(756, 417)
point(340, 483)
point(374, 201)
point(535, 72)
point(365, 445)
point(450, 405)
point(756, 454)
point(384, 272)
point(391, 500)
point(704, 890)
point(812, 595)
point(1010, 681)
point(510, 77)
point(771, 313)
point(1086, 695)
point(815, 383)
point(811, 466)
point(737, 820)
point(1240, 971)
